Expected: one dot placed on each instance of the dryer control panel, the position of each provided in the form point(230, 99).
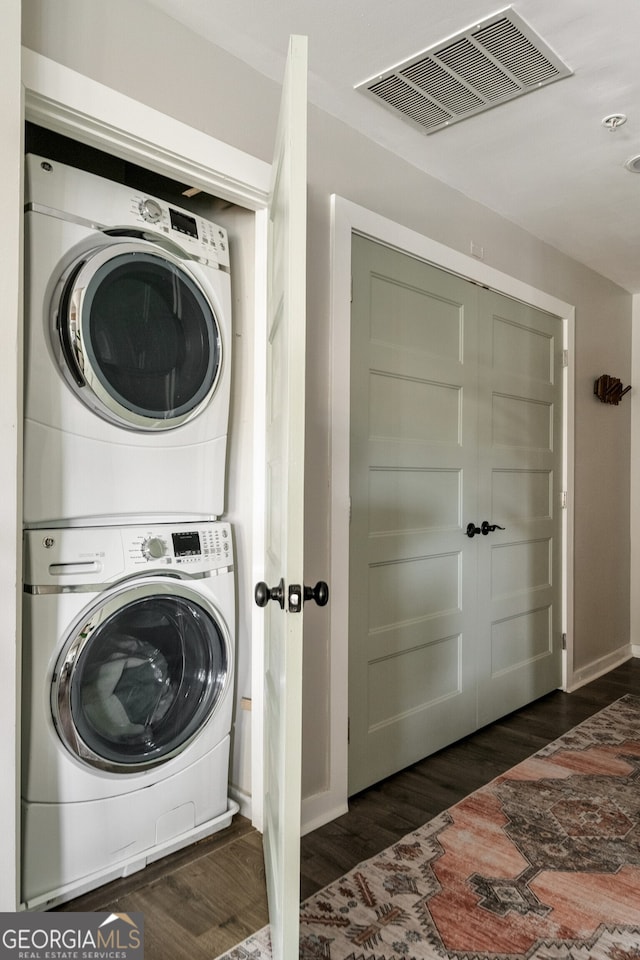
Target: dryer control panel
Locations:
point(201, 238)
point(77, 195)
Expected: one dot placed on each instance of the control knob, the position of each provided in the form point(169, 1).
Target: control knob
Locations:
point(153, 548)
point(151, 210)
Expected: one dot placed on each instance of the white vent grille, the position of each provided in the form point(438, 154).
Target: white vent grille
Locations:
point(490, 63)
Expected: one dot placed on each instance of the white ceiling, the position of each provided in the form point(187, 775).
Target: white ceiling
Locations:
point(544, 161)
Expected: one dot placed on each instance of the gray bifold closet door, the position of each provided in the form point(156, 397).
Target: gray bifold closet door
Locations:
point(456, 419)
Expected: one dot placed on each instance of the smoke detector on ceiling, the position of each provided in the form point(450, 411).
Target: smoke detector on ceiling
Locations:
point(490, 63)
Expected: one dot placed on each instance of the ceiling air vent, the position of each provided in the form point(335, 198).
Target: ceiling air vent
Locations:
point(488, 64)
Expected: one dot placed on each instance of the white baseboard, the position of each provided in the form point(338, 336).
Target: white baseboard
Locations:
point(242, 799)
point(319, 809)
point(635, 649)
point(601, 666)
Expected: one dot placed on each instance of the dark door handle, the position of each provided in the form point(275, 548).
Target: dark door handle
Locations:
point(472, 530)
point(490, 527)
point(319, 593)
point(263, 594)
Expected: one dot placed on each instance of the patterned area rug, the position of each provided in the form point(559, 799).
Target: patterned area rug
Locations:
point(543, 863)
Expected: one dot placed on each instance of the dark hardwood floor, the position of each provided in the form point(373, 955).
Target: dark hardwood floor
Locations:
point(384, 813)
point(201, 901)
point(198, 902)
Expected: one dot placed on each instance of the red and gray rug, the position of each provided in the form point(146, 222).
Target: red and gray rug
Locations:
point(543, 863)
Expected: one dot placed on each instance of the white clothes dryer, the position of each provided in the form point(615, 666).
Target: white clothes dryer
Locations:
point(128, 665)
point(127, 354)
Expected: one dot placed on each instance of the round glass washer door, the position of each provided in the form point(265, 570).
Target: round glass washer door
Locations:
point(140, 675)
point(139, 340)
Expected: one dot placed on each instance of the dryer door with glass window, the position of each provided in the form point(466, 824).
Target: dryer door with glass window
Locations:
point(137, 335)
point(140, 674)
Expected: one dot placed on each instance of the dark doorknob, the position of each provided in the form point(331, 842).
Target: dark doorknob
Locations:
point(263, 594)
point(319, 593)
point(472, 530)
point(489, 527)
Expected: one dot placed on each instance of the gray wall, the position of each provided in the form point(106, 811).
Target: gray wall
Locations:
point(136, 50)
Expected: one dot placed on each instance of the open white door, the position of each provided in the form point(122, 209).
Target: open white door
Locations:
point(284, 520)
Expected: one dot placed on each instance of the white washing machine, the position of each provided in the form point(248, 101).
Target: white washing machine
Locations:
point(128, 665)
point(127, 354)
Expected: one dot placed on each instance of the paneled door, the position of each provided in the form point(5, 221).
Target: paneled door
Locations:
point(412, 575)
point(284, 520)
point(455, 432)
point(519, 481)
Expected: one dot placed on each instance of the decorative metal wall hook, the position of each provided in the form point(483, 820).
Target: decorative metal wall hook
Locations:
point(609, 389)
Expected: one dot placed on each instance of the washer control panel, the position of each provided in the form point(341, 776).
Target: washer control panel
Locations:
point(203, 546)
point(70, 556)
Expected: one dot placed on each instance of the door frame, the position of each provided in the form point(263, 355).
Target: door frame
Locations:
point(11, 167)
point(70, 103)
point(348, 218)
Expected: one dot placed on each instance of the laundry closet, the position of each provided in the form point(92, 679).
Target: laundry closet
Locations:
point(138, 442)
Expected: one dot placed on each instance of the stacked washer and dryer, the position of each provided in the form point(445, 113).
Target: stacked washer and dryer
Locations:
point(129, 583)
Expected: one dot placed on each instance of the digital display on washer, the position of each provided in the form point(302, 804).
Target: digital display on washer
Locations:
point(183, 224)
point(186, 544)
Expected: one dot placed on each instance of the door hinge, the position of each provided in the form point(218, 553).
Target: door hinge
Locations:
point(348, 730)
point(565, 358)
point(563, 499)
point(350, 505)
point(564, 641)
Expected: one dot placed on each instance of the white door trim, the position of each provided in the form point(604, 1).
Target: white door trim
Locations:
point(347, 218)
point(11, 168)
point(72, 104)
